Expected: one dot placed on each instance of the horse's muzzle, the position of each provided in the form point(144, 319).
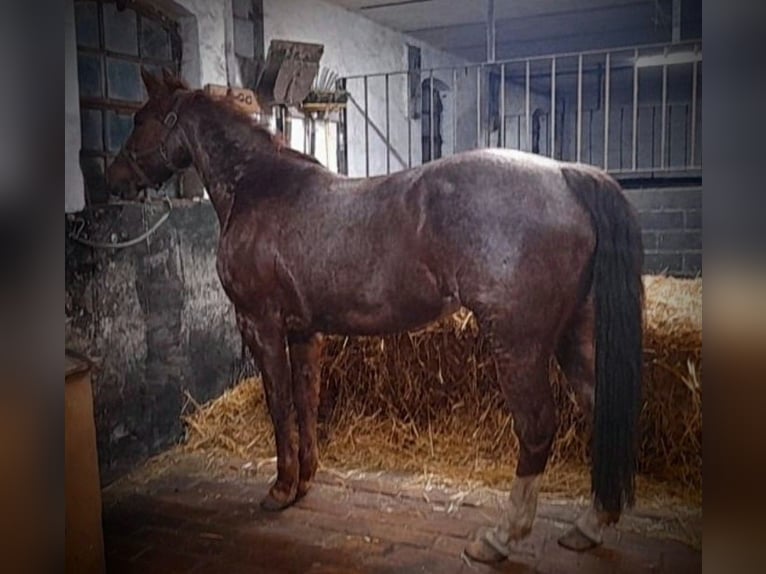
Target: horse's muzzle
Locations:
point(121, 181)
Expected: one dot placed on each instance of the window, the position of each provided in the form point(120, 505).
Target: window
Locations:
point(112, 45)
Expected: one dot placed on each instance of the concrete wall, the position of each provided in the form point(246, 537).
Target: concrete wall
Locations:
point(156, 320)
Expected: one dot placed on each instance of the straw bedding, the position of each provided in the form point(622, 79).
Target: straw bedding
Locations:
point(428, 402)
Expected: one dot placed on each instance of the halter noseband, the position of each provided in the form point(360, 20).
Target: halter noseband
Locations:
point(131, 156)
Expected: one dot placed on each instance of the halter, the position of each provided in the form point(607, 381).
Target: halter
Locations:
point(169, 121)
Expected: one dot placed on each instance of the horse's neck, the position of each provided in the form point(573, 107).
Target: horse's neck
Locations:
point(219, 151)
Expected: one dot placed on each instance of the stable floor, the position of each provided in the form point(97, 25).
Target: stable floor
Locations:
point(189, 513)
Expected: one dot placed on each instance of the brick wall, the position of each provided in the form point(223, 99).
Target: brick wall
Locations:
point(671, 219)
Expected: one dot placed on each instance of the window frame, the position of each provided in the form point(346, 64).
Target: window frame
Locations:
point(95, 190)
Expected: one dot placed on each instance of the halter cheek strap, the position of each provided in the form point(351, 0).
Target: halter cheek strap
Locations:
point(170, 122)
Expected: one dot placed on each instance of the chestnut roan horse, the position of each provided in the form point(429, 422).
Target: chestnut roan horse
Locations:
point(546, 254)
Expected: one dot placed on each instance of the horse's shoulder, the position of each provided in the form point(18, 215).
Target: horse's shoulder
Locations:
point(245, 258)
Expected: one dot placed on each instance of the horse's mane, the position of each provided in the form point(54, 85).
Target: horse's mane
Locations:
point(259, 129)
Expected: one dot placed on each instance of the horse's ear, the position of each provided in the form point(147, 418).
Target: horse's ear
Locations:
point(172, 81)
point(154, 86)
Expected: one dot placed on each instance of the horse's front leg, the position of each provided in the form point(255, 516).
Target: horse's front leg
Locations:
point(266, 338)
point(304, 359)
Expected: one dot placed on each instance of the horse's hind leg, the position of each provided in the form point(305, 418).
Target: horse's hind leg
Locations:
point(522, 362)
point(304, 358)
point(576, 353)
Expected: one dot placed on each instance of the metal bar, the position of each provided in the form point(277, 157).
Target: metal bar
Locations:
point(409, 121)
point(527, 104)
point(676, 19)
point(366, 131)
point(657, 170)
point(388, 131)
point(607, 82)
point(553, 107)
point(502, 105)
point(635, 109)
point(127, 57)
point(579, 107)
point(342, 133)
point(115, 105)
point(694, 114)
point(431, 118)
point(490, 31)
point(378, 131)
point(312, 135)
point(543, 57)
point(478, 106)
point(663, 120)
point(454, 110)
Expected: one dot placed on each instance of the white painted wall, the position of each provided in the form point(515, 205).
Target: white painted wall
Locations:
point(205, 31)
point(355, 45)
point(74, 189)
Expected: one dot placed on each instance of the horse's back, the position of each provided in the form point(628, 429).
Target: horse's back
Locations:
point(509, 222)
point(512, 194)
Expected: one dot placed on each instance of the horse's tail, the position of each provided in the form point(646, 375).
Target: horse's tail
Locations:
point(618, 293)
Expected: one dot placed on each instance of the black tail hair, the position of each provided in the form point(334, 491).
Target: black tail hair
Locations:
point(619, 293)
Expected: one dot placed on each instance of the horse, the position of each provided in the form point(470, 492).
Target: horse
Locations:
point(546, 254)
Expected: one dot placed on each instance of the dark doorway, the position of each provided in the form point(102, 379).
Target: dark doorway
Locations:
point(425, 122)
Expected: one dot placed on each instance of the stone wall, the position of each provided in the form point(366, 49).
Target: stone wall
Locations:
point(155, 319)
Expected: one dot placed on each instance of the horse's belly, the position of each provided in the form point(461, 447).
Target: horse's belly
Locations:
point(387, 319)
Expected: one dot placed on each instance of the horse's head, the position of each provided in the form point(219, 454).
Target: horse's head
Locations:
point(155, 149)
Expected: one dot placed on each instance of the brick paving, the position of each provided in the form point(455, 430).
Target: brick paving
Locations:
point(188, 518)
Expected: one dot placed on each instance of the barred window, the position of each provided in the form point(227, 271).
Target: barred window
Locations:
point(112, 46)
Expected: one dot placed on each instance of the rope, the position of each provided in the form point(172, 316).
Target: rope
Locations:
point(130, 242)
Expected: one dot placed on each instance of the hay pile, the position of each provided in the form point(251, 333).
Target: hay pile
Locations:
point(428, 402)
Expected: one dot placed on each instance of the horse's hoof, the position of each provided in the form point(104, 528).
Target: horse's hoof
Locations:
point(273, 503)
point(481, 550)
point(303, 489)
point(577, 541)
